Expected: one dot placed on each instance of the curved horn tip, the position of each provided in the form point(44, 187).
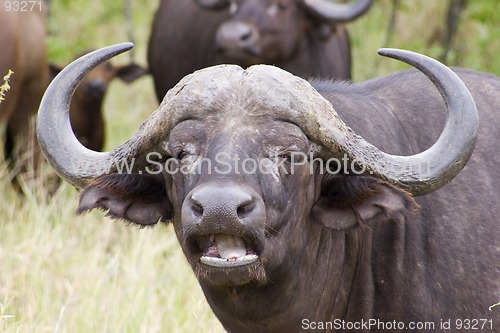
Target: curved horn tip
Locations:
point(115, 49)
point(337, 12)
point(461, 127)
point(213, 4)
point(423, 63)
point(384, 51)
point(55, 136)
point(395, 53)
point(408, 57)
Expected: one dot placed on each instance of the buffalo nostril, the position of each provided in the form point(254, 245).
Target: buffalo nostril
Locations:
point(221, 206)
point(245, 209)
point(197, 209)
point(246, 36)
point(236, 36)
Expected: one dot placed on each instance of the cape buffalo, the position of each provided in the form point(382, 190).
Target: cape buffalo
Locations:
point(304, 37)
point(290, 220)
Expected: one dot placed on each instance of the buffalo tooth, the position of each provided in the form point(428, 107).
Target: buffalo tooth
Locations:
point(229, 263)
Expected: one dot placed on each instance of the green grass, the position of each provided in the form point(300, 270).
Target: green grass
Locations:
point(420, 27)
point(65, 273)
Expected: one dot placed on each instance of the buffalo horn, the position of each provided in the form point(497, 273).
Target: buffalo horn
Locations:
point(337, 12)
point(71, 160)
point(431, 169)
point(213, 4)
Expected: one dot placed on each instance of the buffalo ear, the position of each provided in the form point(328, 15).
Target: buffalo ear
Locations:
point(347, 201)
point(130, 73)
point(138, 198)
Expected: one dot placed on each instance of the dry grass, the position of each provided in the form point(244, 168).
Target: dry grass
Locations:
point(65, 273)
point(5, 85)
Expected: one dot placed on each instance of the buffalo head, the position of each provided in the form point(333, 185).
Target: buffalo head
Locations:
point(270, 31)
point(236, 159)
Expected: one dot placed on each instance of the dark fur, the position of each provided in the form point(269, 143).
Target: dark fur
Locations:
point(345, 247)
point(183, 39)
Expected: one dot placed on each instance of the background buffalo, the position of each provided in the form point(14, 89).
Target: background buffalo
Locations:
point(307, 38)
point(24, 38)
point(24, 52)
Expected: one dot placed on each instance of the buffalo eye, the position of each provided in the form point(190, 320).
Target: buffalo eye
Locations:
point(282, 6)
point(292, 154)
point(286, 156)
point(180, 155)
point(275, 8)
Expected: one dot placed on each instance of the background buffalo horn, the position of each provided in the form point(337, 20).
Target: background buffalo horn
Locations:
point(337, 12)
point(71, 160)
point(213, 4)
point(429, 170)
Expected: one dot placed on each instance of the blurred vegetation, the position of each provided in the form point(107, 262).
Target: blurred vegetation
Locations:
point(65, 273)
point(421, 27)
point(76, 26)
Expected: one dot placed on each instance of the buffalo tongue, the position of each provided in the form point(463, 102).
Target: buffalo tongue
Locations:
point(230, 247)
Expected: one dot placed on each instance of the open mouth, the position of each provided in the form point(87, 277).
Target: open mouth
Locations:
point(227, 251)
